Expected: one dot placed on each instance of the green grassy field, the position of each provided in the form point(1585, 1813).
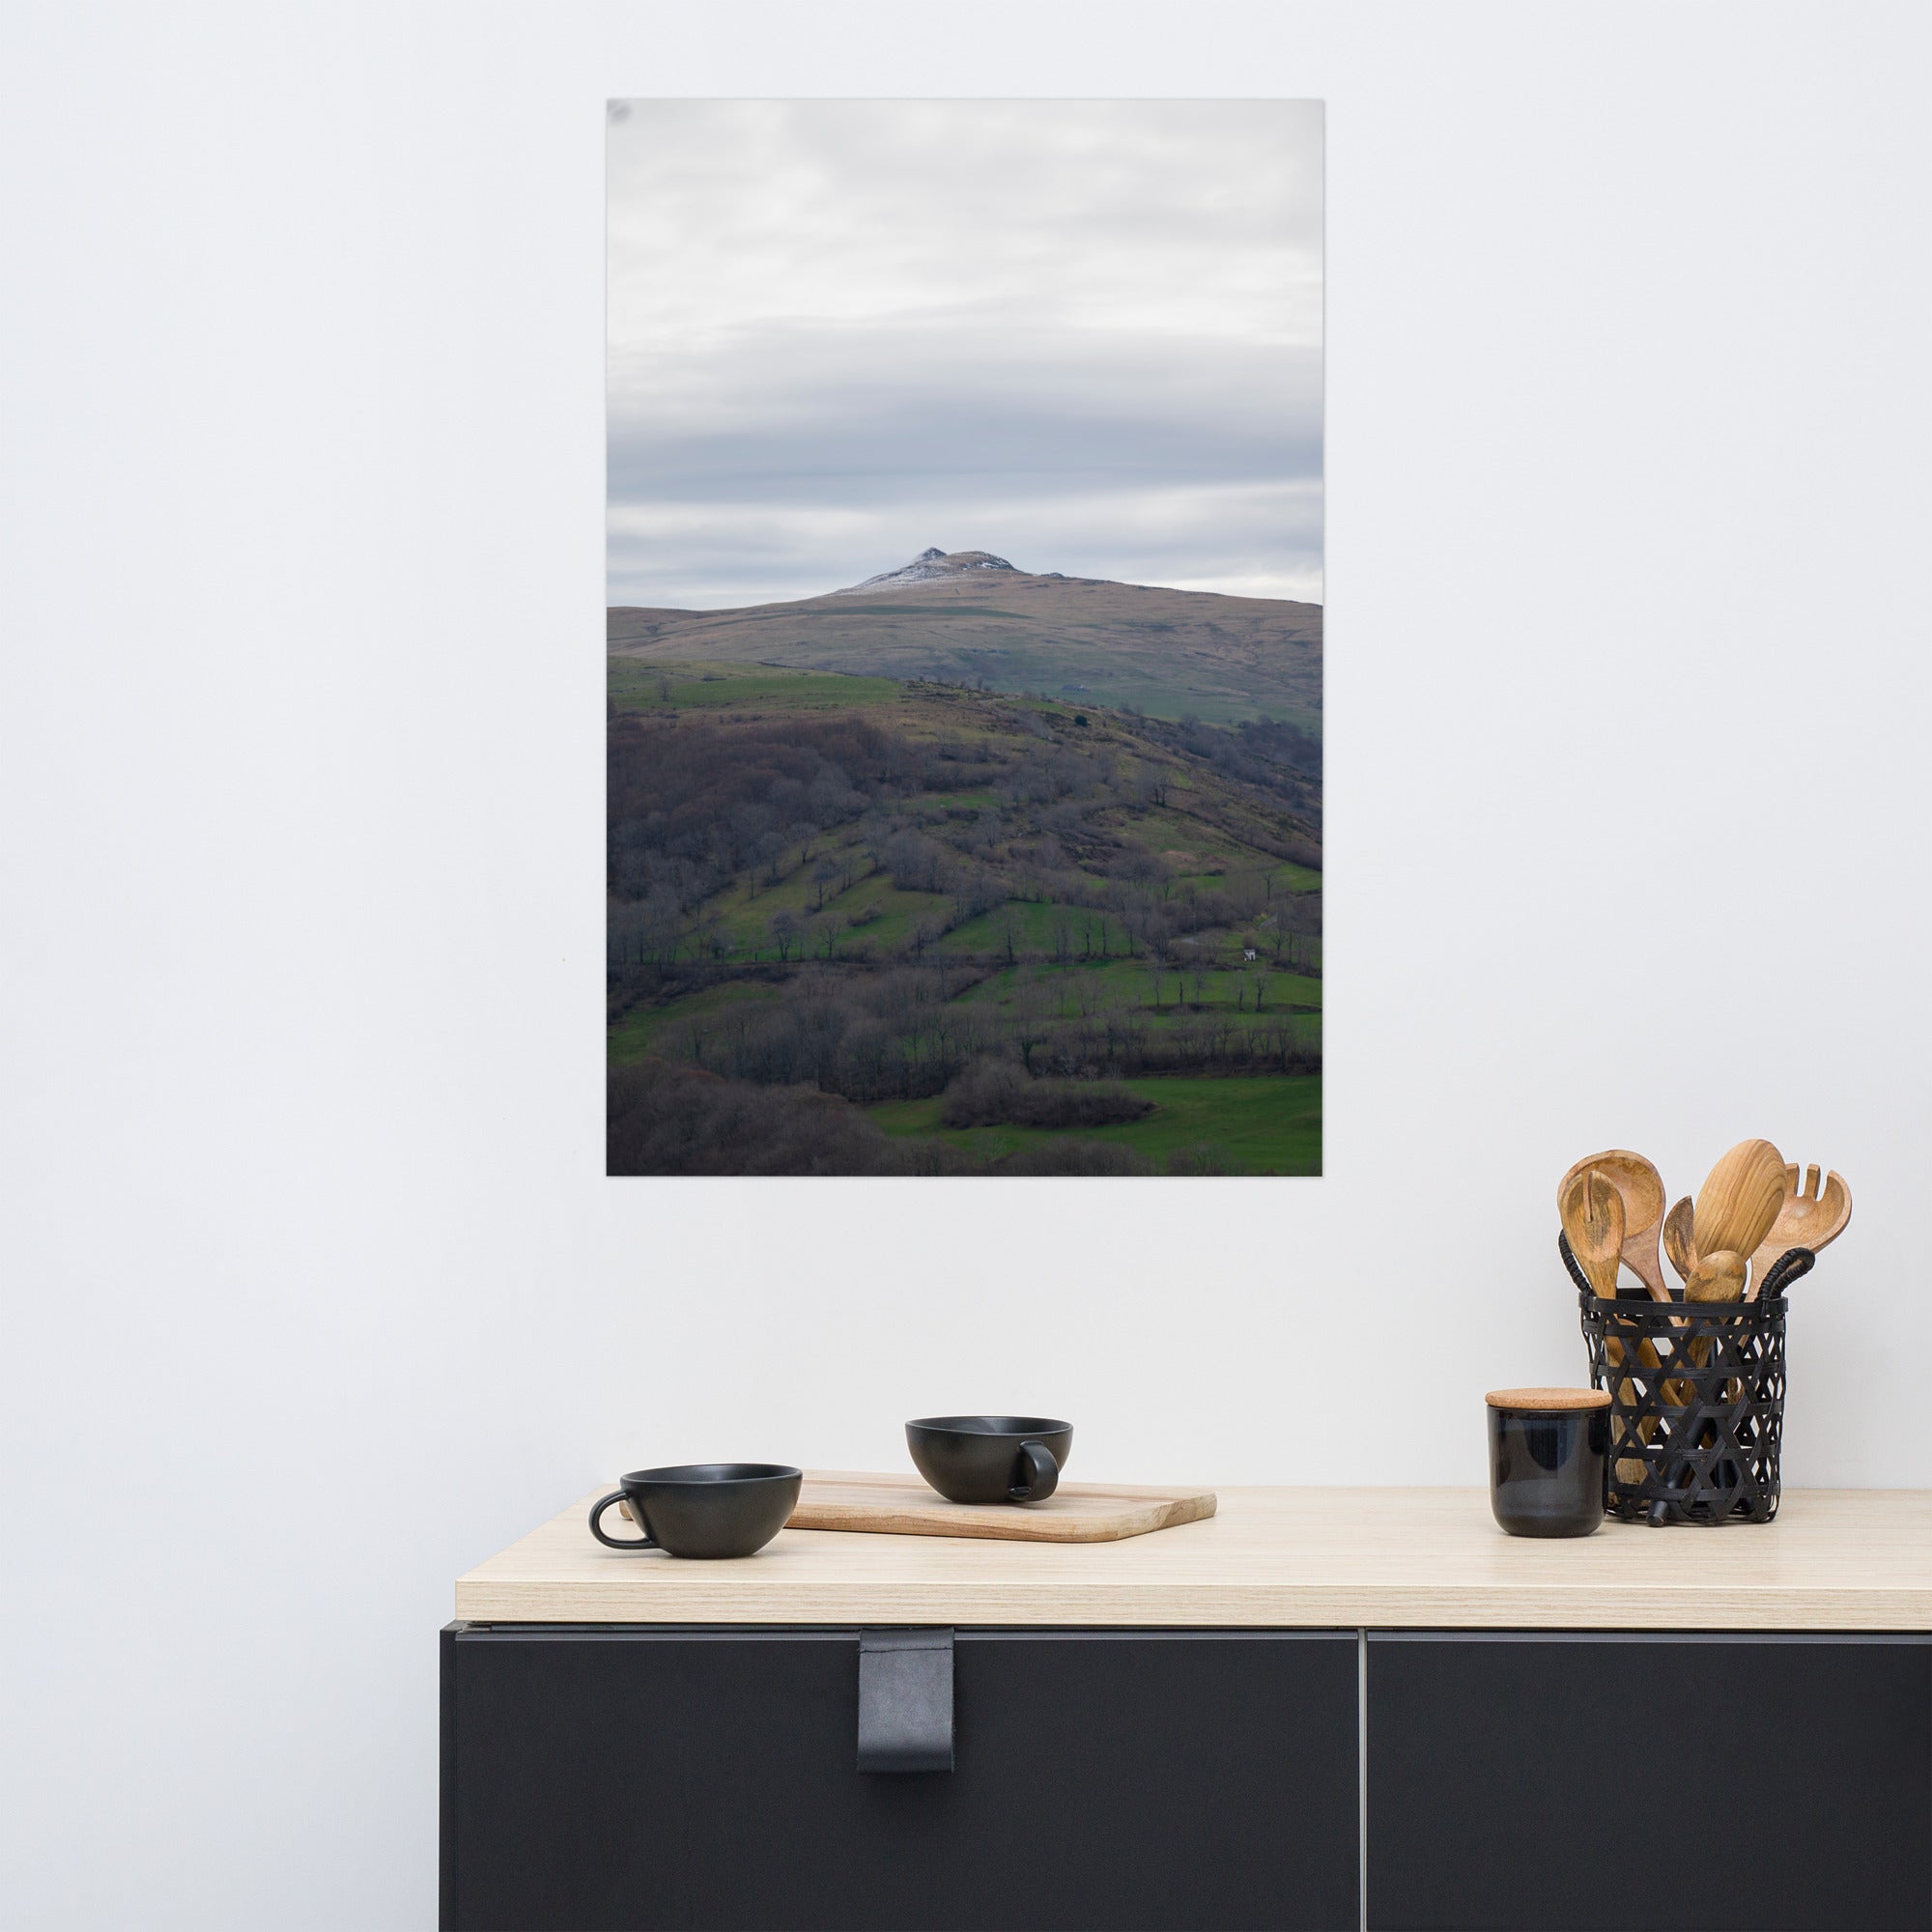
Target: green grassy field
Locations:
point(636, 686)
point(872, 913)
point(1032, 927)
point(630, 1039)
point(1256, 1126)
point(1129, 983)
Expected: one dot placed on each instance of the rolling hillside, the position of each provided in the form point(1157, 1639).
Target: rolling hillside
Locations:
point(968, 617)
point(868, 926)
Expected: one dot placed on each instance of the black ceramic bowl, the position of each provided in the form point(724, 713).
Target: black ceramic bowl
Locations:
point(703, 1509)
point(990, 1459)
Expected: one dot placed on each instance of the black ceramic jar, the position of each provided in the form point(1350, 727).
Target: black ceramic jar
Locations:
point(1548, 1457)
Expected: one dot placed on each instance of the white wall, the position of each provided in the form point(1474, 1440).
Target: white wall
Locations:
point(315, 1294)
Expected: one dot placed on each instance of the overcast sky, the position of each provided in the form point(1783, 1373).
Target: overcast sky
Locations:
point(1085, 335)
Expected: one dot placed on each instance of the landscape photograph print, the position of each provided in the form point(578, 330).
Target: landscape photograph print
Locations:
point(964, 724)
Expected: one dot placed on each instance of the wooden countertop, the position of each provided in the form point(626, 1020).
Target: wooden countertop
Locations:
point(1835, 1559)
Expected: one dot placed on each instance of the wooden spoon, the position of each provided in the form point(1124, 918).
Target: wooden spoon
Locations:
point(1717, 1277)
point(1738, 1201)
point(1680, 1243)
point(1593, 1218)
point(1641, 1188)
point(1680, 1240)
point(1808, 1217)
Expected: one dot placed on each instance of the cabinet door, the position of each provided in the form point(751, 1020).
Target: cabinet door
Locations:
point(596, 1780)
point(1620, 1782)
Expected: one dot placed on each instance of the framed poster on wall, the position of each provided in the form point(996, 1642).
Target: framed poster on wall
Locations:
point(965, 640)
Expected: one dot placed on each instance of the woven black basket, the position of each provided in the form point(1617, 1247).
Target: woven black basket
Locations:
point(1696, 1400)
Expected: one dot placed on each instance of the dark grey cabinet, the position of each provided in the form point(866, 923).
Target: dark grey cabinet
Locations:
point(598, 1779)
point(1582, 1782)
point(606, 1778)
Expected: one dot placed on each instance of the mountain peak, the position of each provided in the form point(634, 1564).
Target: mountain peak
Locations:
point(928, 566)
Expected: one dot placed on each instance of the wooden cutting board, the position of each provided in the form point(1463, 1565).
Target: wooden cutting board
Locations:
point(1075, 1513)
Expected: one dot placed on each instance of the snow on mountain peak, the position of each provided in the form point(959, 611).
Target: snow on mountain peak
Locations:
point(928, 566)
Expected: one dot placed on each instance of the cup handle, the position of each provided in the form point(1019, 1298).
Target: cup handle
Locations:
point(1041, 1475)
point(597, 1510)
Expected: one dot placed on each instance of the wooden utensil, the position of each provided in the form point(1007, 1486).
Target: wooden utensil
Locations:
point(1739, 1200)
point(1680, 1241)
point(1592, 1210)
point(1593, 1218)
point(1717, 1277)
point(1641, 1188)
point(1809, 1217)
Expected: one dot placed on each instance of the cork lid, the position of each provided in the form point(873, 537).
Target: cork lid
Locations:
point(1548, 1400)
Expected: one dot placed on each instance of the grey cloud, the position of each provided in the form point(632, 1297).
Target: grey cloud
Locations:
point(1082, 334)
point(930, 445)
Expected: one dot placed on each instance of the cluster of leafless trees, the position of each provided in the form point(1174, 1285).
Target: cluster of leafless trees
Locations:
point(1277, 757)
point(665, 1120)
point(690, 806)
point(827, 1017)
point(996, 1092)
point(903, 1033)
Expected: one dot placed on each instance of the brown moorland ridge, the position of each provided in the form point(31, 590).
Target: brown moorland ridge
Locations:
point(968, 617)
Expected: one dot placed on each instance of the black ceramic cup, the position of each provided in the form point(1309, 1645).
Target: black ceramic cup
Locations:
point(1548, 1459)
point(990, 1459)
point(703, 1509)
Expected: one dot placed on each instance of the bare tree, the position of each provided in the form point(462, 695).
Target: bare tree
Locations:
point(1008, 932)
point(1032, 1013)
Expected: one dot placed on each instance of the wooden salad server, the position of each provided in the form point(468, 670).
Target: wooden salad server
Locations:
point(1738, 1201)
point(1641, 1188)
point(1809, 1217)
point(1592, 1211)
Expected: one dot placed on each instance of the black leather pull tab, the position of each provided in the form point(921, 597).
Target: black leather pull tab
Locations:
point(905, 1700)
